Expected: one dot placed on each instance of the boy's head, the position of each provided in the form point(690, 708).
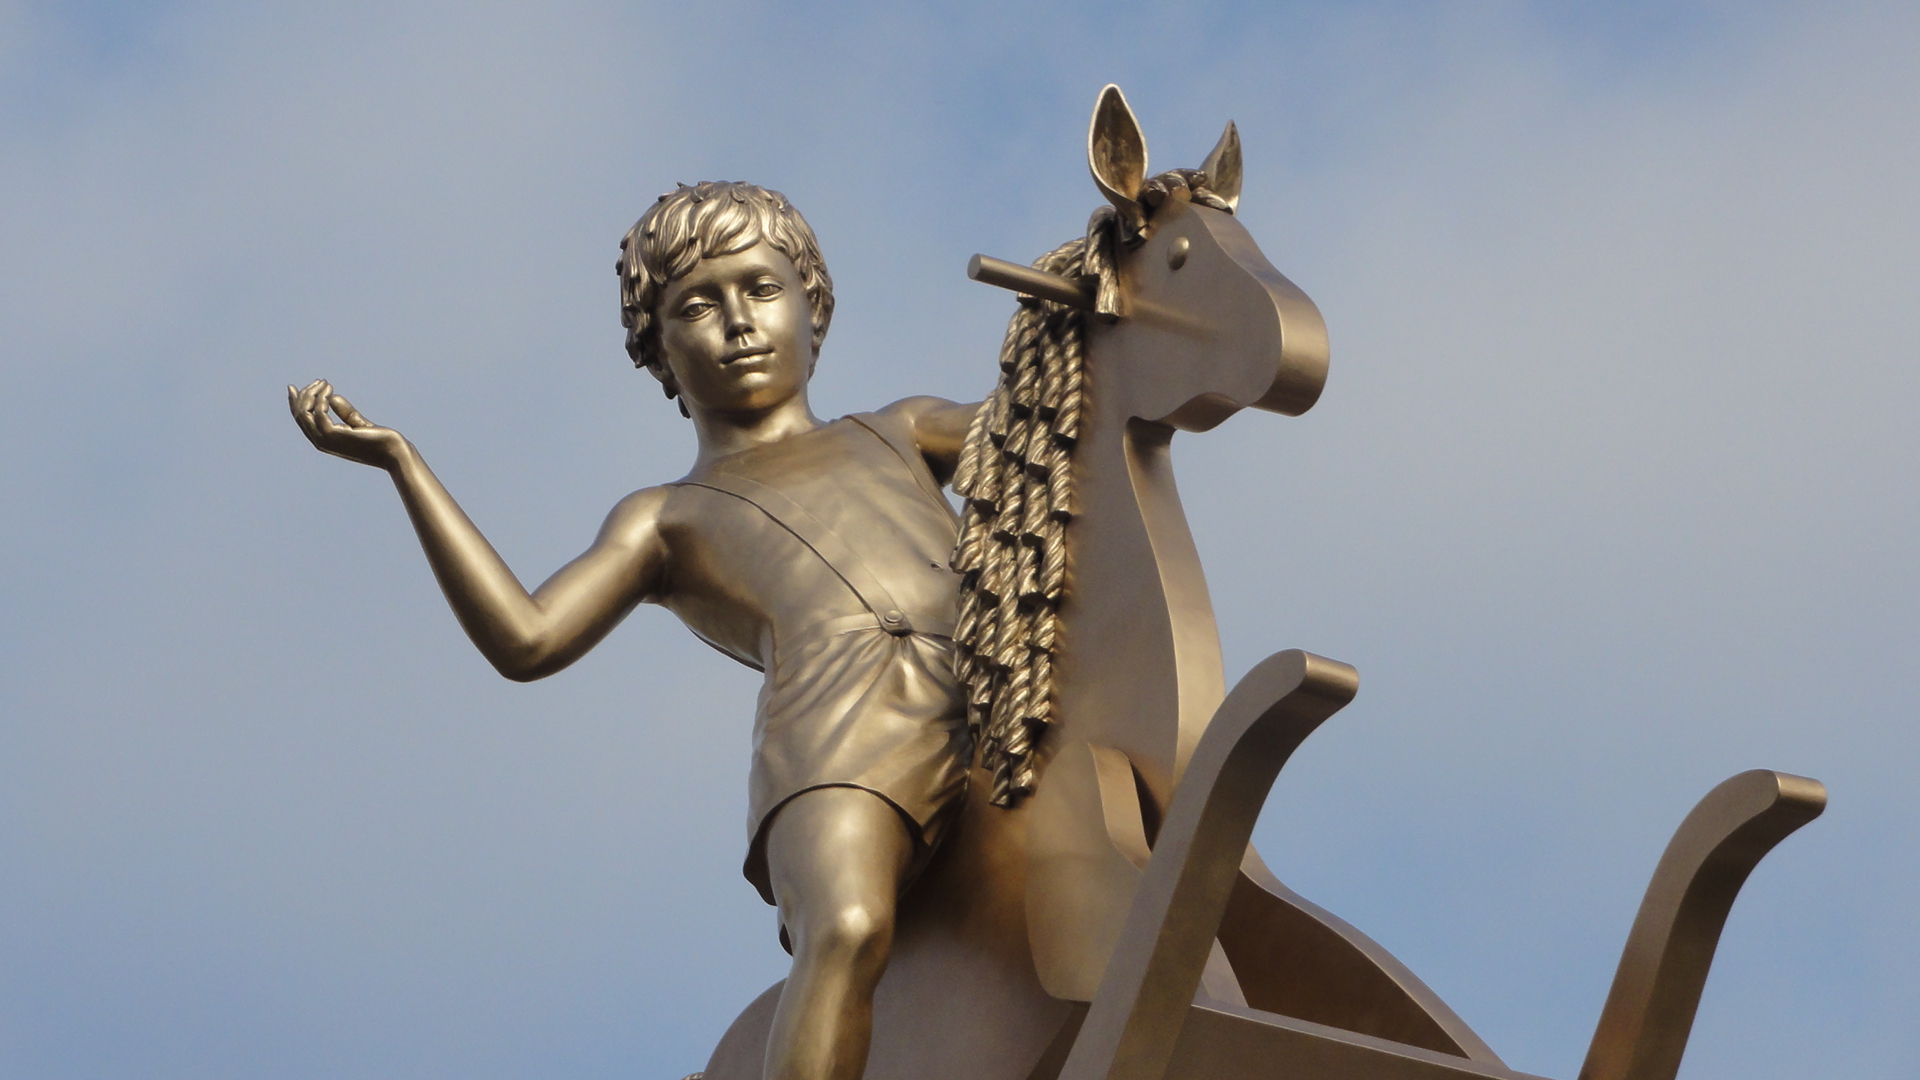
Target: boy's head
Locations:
point(708, 219)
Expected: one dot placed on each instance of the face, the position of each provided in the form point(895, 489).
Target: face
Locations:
point(737, 333)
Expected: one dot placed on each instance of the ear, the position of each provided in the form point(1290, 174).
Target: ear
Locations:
point(1117, 154)
point(1223, 166)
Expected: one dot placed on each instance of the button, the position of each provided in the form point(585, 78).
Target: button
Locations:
point(891, 617)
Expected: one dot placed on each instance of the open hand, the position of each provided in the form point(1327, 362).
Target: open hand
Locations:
point(333, 425)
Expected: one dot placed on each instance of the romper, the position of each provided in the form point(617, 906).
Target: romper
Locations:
point(866, 699)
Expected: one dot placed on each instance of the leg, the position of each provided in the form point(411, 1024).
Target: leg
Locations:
point(836, 857)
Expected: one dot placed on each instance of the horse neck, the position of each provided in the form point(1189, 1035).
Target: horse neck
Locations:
point(1140, 670)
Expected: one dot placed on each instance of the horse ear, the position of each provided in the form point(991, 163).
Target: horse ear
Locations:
point(1117, 153)
point(1223, 166)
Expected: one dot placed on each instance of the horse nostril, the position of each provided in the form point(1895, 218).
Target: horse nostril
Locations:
point(1177, 253)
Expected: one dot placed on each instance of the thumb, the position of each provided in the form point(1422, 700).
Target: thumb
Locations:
point(347, 413)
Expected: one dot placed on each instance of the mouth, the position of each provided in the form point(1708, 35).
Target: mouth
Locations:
point(747, 352)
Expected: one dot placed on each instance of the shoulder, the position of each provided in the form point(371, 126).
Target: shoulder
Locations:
point(635, 520)
point(938, 428)
point(938, 425)
point(913, 409)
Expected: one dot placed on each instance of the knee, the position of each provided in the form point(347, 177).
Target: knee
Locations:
point(852, 934)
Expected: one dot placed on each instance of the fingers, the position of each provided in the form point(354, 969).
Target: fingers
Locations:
point(334, 426)
point(319, 392)
point(309, 407)
point(300, 402)
point(347, 413)
point(297, 400)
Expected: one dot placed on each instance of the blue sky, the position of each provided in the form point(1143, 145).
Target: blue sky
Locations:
point(1611, 494)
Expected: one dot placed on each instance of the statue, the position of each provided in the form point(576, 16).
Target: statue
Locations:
point(815, 552)
point(1000, 794)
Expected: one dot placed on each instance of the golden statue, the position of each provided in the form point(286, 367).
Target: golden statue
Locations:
point(815, 552)
point(1000, 794)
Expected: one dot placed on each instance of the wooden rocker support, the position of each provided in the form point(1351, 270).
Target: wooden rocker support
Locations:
point(1135, 1020)
point(1644, 1026)
point(1146, 1024)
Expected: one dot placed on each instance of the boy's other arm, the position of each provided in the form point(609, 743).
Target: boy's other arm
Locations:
point(939, 429)
point(525, 636)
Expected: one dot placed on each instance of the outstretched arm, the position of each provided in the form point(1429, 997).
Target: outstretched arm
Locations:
point(939, 429)
point(525, 636)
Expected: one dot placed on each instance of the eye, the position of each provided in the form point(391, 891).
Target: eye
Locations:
point(693, 309)
point(765, 290)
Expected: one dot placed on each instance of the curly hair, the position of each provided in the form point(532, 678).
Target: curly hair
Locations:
point(713, 217)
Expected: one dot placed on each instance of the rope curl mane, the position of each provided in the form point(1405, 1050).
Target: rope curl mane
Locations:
point(1016, 475)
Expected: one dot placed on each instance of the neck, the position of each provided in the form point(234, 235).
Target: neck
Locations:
point(724, 433)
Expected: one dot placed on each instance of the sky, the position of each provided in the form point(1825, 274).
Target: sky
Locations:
point(1611, 494)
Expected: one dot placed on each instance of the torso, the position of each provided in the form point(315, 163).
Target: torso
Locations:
point(750, 587)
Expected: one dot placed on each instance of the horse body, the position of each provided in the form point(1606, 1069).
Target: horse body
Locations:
point(1117, 924)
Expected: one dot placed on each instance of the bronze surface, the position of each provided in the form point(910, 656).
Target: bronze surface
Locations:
point(1135, 1020)
point(1139, 680)
point(1297, 959)
point(1224, 1042)
point(1140, 669)
point(860, 729)
point(1111, 919)
point(1036, 283)
point(1649, 1011)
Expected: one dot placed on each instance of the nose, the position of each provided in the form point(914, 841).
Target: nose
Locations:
point(739, 312)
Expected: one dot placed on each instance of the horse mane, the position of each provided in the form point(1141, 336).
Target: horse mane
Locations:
point(1016, 475)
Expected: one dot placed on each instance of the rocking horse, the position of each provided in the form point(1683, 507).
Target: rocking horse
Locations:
point(1098, 912)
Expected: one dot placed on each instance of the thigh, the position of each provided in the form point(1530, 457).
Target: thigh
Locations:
point(835, 847)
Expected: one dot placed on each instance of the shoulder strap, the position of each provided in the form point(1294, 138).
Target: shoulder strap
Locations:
point(839, 556)
point(893, 431)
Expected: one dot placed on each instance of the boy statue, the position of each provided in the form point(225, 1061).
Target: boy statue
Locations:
point(814, 551)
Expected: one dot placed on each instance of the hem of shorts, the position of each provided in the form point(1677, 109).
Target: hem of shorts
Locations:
point(755, 868)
